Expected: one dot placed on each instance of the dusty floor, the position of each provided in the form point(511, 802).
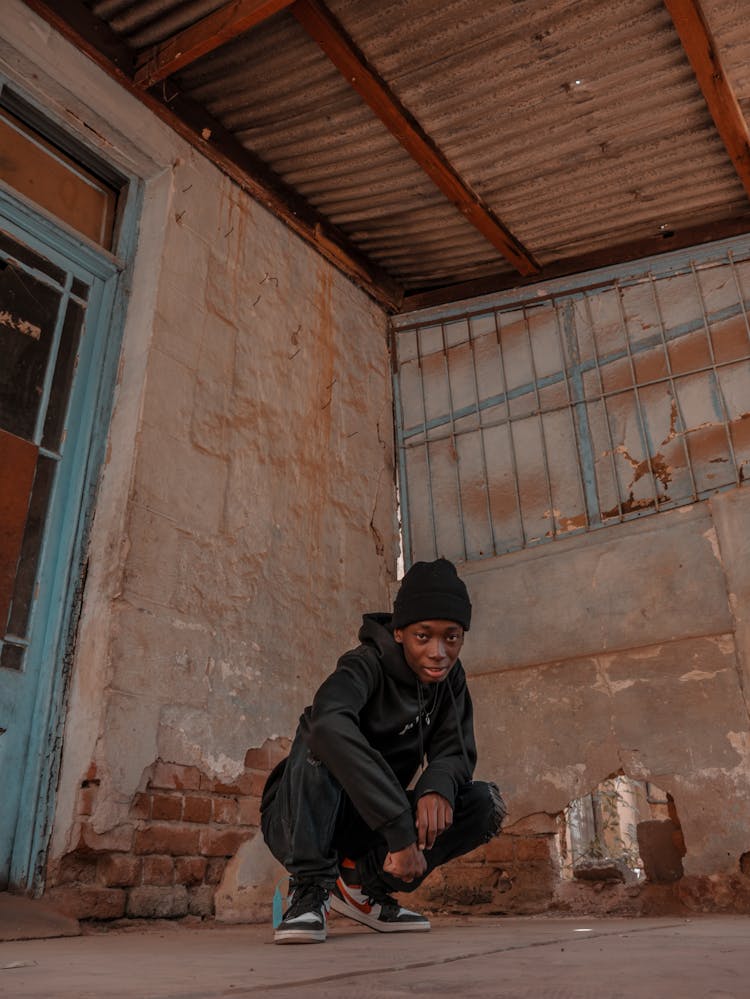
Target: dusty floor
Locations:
point(523, 958)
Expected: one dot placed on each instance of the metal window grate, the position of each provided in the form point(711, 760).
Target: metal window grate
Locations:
point(535, 419)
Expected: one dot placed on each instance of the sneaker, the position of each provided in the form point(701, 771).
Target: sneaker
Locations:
point(305, 919)
point(380, 912)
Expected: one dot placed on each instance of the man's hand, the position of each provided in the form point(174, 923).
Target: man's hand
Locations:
point(405, 864)
point(434, 815)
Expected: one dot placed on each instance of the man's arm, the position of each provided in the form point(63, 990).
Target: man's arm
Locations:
point(335, 737)
point(451, 755)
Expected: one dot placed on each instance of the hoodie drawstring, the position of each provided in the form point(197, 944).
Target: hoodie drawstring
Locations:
point(420, 706)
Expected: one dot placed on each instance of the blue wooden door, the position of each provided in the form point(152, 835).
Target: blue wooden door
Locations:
point(56, 295)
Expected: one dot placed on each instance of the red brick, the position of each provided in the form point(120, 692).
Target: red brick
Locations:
point(201, 901)
point(242, 785)
point(266, 757)
point(157, 902)
point(532, 848)
point(476, 856)
point(470, 878)
point(86, 800)
point(88, 902)
point(500, 850)
point(175, 777)
point(196, 809)
point(177, 840)
point(215, 870)
point(258, 780)
point(91, 772)
point(249, 812)
point(140, 807)
point(117, 840)
point(222, 842)
point(166, 806)
point(258, 759)
point(224, 810)
point(74, 867)
point(190, 870)
point(158, 870)
point(119, 870)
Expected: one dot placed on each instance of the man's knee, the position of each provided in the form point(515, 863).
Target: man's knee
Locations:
point(481, 804)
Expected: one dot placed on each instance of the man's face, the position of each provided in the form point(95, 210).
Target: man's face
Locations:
point(431, 647)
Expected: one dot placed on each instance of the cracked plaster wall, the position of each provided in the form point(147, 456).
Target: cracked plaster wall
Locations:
point(623, 650)
point(245, 517)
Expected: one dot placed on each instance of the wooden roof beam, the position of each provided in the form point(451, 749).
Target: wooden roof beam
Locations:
point(703, 54)
point(75, 22)
point(211, 32)
point(623, 253)
point(323, 27)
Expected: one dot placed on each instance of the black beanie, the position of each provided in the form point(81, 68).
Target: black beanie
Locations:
point(432, 591)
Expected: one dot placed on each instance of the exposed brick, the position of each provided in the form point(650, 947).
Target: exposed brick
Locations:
point(117, 840)
point(500, 850)
point(190, 870)
point(258, 780)
point(88, 901)
point(242, 785)
point(158, 903)
point(201, 901)
point(119, 870)
point(221, 842)
point(166, 806)
point(74, 867)
point(140, 807)
point(196, 809)
point(91, 772)
point(175, 777)
point(470, 878)
point(224, 810)
point(86, 800)
point(532, 848)
point(215, 870)
point(258, 759)
point(248, 813)
point(477, 856)
point(158, 870)
point(177, 840)
point(540, 823)
point(266, 757)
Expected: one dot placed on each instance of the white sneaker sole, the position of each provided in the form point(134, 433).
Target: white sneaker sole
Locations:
point(299, 936)
point(344, 909)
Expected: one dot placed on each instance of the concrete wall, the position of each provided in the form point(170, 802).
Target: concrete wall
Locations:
point(245, 517)
point(622, 651)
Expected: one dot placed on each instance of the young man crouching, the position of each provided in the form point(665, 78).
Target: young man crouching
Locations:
point(337, 813)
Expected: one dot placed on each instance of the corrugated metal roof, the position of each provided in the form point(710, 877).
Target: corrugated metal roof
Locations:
point(580, 123)
point(282, 97)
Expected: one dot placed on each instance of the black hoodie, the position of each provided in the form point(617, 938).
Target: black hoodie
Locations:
point(372, 722)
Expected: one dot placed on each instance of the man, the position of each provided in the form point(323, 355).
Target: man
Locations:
point(337, 813)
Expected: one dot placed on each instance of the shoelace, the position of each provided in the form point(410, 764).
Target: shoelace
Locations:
point(305, 898)
point(388, 905)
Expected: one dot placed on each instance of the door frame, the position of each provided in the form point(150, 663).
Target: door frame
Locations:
point(63, 554)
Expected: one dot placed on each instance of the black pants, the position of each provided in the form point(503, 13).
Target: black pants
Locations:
point(309, 824)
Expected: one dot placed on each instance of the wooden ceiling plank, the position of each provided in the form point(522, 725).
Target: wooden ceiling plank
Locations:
point(211, 32)
point(95, 38)
point(702, 52)
point(324, 28)
point(638, 249)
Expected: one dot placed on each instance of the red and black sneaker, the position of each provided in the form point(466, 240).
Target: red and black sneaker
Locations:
point(305, 919)
point(379, 911)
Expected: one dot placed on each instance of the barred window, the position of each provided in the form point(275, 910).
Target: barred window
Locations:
point(537, 418)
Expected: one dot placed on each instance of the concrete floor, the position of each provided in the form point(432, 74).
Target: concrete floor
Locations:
point(523, 958)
